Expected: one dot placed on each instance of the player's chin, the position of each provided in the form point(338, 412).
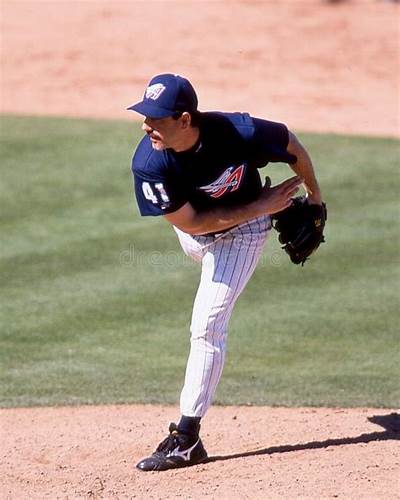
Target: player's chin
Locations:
point(157, 145)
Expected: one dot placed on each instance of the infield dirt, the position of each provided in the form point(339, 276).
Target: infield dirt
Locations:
point(89, 452)
point(313, 64)
point(317, 66)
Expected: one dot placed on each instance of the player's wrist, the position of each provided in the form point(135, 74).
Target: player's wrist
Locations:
point(314, 198)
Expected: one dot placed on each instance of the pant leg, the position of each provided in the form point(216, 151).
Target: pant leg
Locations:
point(194, 246)
point(227, 265)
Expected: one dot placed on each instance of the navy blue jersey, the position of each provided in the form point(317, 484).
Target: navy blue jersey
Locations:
point(220, 169)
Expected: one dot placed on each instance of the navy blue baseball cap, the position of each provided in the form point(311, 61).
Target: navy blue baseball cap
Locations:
point(165, 95)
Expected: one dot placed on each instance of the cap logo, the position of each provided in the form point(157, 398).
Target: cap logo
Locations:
point(154, 91)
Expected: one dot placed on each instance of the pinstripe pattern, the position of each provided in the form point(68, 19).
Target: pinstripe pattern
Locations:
point(228, 261)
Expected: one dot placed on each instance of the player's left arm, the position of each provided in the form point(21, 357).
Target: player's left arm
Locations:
point(303, 167)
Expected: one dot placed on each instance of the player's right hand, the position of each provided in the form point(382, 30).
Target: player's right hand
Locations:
point(276, 198)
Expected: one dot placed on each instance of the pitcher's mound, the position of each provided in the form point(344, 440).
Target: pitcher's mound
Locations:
point(255, 453)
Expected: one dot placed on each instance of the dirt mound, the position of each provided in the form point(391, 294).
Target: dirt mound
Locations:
point(90, 452)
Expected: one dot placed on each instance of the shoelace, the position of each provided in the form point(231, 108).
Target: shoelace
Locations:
point(171, 441)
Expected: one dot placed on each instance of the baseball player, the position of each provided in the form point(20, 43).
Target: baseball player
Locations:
point(199, 170)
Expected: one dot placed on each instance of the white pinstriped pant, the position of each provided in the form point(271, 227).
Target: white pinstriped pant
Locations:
point(228, 261)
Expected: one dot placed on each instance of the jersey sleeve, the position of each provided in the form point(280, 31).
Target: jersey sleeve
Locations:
point(157, 190)
point(155, 194)
point(269, 142)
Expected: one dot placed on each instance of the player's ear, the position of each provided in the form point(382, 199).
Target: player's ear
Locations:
point(186, 120)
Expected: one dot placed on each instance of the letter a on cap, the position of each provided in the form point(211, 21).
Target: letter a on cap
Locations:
point(154, 91)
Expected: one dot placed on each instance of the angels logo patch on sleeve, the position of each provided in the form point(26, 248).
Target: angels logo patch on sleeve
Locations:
point(228, 182)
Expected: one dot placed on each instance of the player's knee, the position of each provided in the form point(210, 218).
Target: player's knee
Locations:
point(209, 337)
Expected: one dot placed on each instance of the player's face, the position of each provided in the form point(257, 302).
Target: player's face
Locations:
point(163, 132)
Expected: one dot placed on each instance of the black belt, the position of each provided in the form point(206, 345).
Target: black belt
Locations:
point(217, 233)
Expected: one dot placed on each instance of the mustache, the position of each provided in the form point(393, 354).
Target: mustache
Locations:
point(153, 136)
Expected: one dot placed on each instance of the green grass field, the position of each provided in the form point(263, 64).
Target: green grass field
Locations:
point(96, 301)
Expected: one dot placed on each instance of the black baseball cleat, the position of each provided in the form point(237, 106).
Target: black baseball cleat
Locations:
point(177, 450)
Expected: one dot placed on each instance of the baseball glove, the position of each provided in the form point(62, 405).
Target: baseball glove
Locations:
point(300, 228)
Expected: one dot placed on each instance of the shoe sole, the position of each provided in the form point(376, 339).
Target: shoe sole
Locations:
point(173, 465)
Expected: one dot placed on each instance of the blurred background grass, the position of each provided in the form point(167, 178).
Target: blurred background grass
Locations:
point(96, 301)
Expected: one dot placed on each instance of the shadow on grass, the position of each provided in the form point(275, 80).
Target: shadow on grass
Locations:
point(391, 424)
